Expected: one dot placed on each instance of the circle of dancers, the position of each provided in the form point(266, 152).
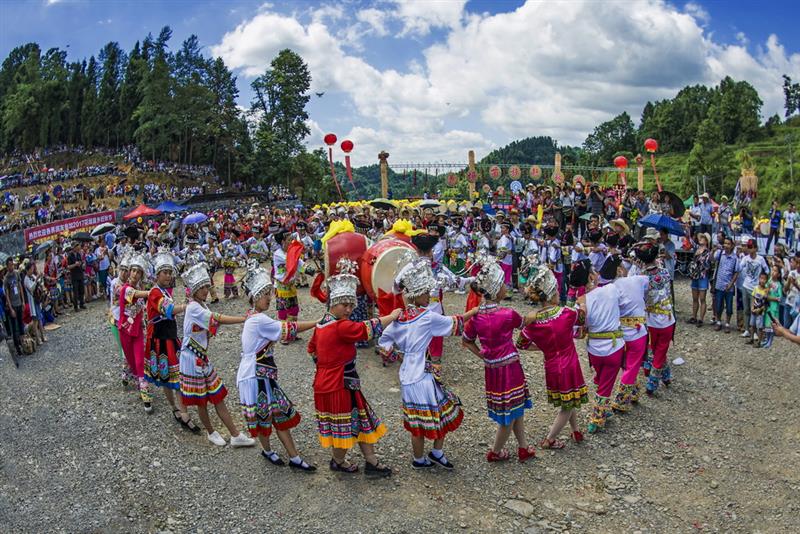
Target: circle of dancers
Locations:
point(620, 303)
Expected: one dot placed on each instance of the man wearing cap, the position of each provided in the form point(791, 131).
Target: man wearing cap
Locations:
point(706, 209)
point(724, 216)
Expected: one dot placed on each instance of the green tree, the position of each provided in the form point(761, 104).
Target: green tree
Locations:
point(112, 59)
point(610, 138)
point(737, 111)
point(155, 114)
point(90, 127)
point(791, 96)
point(281, 95)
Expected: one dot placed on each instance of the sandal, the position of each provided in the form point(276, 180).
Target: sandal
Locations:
point(525, 454)
point(189, 424)
point(502, 456)
point(554, 444)
point(577, 436)
point(691, 320)
point(339, 467)
point(699, 323)
point(377, 470)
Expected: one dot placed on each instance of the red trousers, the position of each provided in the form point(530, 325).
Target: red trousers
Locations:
point(660, 338)
point(606, 369)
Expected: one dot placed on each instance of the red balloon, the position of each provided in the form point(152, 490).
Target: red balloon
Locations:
point(651, 145)
point(347, 145)
point(330, 139)
point(620, 162)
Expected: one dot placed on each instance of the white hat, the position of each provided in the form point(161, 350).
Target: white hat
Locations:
point(416, 278)
point(491, 277)
point(139, 261)
point(342, 287)
point(651, 233)
point(164, 260)
point(256, 280)
point(196, 277)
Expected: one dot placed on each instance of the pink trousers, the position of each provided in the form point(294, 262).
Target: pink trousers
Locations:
point(634, 356)
point(606, 369)
point(660, 338)
point(507, 269)
point(133, 348)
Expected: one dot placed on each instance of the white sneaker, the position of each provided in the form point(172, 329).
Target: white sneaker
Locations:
point(216, 439)
point(746, 333)
point(242, 441)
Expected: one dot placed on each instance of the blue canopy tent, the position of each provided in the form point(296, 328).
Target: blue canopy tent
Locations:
point(169, 206)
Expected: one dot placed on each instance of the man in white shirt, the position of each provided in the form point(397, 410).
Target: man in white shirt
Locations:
point(751, 265)
point(790, 220)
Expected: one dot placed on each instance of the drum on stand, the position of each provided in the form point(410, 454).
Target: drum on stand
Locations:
point(380, 263)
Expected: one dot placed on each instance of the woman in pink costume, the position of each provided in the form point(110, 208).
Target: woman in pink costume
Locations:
point(507, 394)
point(550, 329)
point(132, 303)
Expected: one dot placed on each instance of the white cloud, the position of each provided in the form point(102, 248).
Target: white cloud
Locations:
point(698, 12)
point(420, 16)
point(52, 2)
point(543, 69)
point(375, 19)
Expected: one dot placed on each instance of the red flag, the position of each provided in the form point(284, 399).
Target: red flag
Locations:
point(316, 289)
point(293, 254)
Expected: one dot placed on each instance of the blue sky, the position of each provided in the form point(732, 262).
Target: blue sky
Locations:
point(427, 81)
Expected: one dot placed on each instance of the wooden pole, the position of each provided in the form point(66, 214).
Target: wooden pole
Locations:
point(382, 157)
point(557, 177)
point(639, 172)
point(471, 168)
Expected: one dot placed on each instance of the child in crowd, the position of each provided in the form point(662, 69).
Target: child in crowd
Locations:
point(757, 308)
point(774, 297)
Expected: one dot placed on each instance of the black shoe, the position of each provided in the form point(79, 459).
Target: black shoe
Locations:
point(375, 471)
point(83, 307)
point(307, 468)
point(14, 354)
point(424, 464)
point(277, 462)
point(443, 461)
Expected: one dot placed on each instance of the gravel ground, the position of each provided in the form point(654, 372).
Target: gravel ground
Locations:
point(715, 452)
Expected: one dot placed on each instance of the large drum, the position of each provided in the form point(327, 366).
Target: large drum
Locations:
point(380, 263)
point(345, 245)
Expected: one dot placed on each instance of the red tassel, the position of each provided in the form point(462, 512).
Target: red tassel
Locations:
point(293, 253)
point(349, 170)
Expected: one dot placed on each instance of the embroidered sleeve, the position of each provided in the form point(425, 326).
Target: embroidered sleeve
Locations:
point(288, 331)
point(469, 331)
point(458, 325)
point(374, 329)
point(523, 342)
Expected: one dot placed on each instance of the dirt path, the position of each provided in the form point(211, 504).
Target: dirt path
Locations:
point(716, 452)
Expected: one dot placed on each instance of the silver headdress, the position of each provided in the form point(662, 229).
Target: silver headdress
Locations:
point(416, 278)
point(491, 277)
point(342, 287)
point(542, 283)
point(138, 260)
point(125, 261)
point(256, 280)
point(164, 260)
point(196, 277)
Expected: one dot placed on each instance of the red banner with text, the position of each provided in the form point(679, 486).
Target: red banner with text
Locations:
point(73, 224)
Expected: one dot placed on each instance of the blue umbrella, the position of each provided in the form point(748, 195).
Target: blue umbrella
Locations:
point(662, 222)
point(169, 206)
point(195, 218)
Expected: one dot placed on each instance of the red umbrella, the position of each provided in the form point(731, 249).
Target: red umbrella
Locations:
point(141, 211)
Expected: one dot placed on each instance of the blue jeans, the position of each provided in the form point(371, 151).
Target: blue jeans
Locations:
point(723, 298)
point(789, 238)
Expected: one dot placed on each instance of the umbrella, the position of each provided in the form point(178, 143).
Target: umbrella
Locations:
point(141, 211)
point(678, 209)
point(662, 222)
point(382, 204)
point(36, 202)
point(195, 218)
point(57, 190)
point(83, 236)
point(41, 249)
point(429, 203)
point(102, 228)
point(169, 206)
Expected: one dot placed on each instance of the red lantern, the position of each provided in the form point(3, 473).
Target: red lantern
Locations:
point(650, 145)
point(621, 162)
point(330, 139)
point(452, 180)
point(472, 176)
point(347, 145)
